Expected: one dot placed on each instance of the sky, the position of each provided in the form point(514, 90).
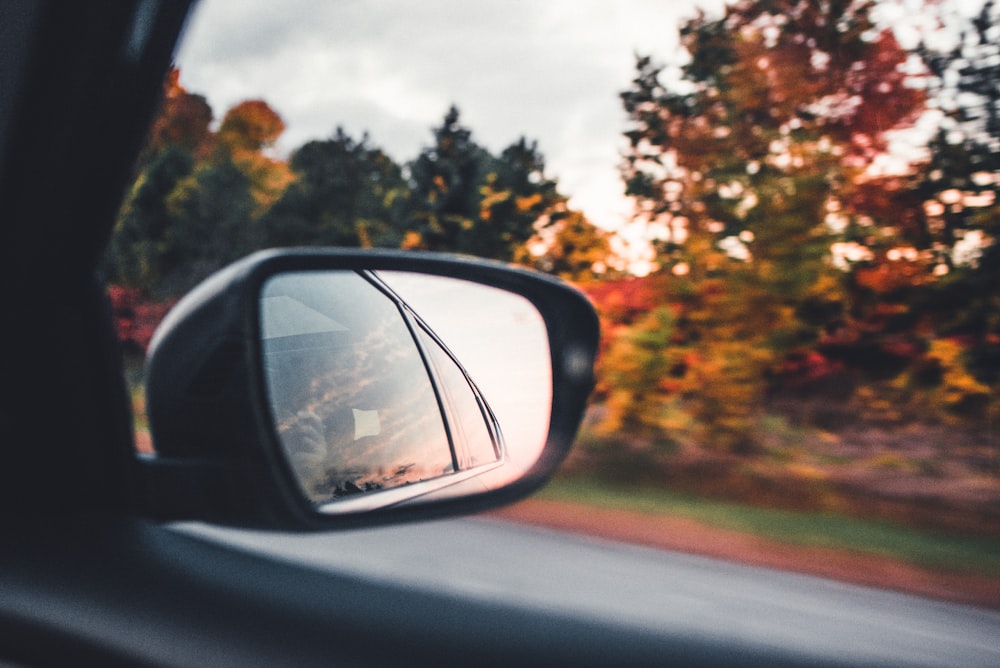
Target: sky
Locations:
point(550, 71)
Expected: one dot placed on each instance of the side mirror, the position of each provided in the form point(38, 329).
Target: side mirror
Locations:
point(319, 388)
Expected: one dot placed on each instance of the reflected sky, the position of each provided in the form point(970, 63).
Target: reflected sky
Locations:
point(502, 342)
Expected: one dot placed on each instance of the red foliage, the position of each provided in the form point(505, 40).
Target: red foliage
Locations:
point(136, 318)
point(887, 100)
point(903, 348)
point(807, 366)
point(626, 300)
point(889, 201)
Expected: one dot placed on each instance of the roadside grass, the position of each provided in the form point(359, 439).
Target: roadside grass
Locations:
point(134, 377)
point(940, 551)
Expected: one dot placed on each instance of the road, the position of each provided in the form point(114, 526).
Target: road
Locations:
point(499, 561)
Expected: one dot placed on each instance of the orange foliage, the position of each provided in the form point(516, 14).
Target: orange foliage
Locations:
point(252, 124)
point(888, 276)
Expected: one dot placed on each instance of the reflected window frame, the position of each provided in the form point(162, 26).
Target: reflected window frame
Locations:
point(449, 413)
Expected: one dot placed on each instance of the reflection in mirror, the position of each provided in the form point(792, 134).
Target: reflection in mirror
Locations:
point(369, 398)
point(502, 342)
point(351, 400)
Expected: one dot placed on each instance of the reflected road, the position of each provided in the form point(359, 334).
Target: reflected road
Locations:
point(498, 561)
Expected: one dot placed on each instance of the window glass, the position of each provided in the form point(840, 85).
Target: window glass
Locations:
point(785, 214)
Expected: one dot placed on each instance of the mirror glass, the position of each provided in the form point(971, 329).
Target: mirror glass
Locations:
point(388, 386)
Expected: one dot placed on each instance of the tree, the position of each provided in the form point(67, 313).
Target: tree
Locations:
point(202, 198)
point(213, 223)
point(572, 248)
point(959, 189)
point(138, 251)
point(183, 121)
point(247, 131)
point(740, 160)
point(445, 179)
point(251, 125)
point(464, 199)
point(180, 132)
point(198, 196)
point(643, 375)
point(345, 193)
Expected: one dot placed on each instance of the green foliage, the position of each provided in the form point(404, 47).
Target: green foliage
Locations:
point(139, 251)
point(467, 200)
point(642, 372)
point(184, 219)
point(212, 212)
point(956, 553)
point(344, 193)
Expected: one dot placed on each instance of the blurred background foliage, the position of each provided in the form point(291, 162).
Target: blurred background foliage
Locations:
point(824, 310)
point(205, 196)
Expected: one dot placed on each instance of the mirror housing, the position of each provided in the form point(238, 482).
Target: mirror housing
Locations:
point(218, 454)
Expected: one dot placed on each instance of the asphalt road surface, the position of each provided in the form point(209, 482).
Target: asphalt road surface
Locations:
point(494, 560)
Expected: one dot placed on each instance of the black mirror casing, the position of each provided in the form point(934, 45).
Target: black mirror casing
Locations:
point(218, 457)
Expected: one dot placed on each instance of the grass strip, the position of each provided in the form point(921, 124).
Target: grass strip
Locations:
point(951, 552)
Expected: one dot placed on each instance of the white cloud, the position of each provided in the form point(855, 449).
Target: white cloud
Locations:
point(549, 71)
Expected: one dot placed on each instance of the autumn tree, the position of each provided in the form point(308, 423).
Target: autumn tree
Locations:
point(739, 158)
point(923, 320)
point(572, 248)
point(199, 195)
point(247, 132)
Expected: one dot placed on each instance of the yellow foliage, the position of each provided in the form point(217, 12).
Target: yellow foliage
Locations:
point(528, 203)
point(806, 471)
point(957, 384)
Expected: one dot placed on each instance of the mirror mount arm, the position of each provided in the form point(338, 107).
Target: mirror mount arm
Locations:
point(179, 489)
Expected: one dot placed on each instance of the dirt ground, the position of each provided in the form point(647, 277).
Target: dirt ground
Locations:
point(684, 535)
